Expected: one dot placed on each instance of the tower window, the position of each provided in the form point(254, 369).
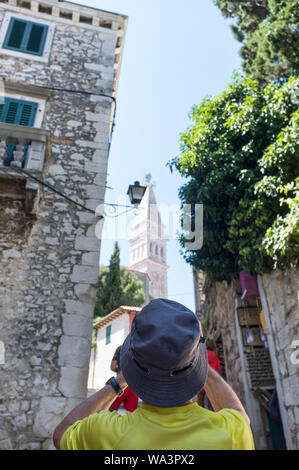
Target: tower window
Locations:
point(162, 252)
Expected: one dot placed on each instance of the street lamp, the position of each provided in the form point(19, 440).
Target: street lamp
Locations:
point(136, 193)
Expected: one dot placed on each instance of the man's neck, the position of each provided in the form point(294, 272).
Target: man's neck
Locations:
point(183, 404)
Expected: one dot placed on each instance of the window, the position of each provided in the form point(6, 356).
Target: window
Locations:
point(22, 36)
point(108, 334)
point(20, 112)
point(25, 36)
point(14, 111)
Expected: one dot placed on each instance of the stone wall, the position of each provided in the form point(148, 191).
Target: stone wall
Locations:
point(219, 306)
point(279, 295)
point(15, 230)
point(276, 367)
point(49, 265)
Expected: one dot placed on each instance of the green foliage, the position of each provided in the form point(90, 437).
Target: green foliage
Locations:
point(117, 286)
point(268, 30)
point(240, 156)
point(282, 239)
point(109, 286)
point(205, 325)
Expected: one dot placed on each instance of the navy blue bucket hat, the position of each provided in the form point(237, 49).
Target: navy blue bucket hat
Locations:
point(164, 359)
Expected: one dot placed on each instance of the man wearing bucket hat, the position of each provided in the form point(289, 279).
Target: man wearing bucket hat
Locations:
point(164, 361)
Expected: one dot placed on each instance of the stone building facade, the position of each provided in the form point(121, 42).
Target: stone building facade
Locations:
point(60, 64)
point(279, 293)
point(257, 367)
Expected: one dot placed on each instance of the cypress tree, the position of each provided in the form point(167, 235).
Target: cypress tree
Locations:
point(269, 33)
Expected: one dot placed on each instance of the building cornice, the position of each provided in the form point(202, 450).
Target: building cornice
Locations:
point(86, 17)
point(139, 272)
point(148, 236)
point(16, 87)
point(148, 260)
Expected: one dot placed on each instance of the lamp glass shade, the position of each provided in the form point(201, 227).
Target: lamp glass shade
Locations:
point(136, 192)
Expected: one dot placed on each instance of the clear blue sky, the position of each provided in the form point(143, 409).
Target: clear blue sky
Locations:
point(176, 52)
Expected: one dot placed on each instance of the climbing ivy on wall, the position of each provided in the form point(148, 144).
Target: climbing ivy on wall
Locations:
point(240, 160)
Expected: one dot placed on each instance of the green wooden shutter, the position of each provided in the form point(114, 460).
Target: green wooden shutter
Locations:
point(36, 39)
point(27, 114)
point(15, 34)
point(11, 112)
point(26, 36)
point(18, 112)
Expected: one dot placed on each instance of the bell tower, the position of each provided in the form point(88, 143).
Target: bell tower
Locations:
point(148, 244)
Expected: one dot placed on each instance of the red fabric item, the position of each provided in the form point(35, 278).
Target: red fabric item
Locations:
point(213, 361)
point(249, 283)
point(129, 400)
point(131, 317)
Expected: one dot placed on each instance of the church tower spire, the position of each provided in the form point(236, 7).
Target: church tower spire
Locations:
point(148, 244)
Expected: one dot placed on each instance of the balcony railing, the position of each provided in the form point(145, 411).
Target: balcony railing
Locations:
point(23, 147)
point(13, 154)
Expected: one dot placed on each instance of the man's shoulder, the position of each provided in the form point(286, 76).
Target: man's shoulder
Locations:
point(239, 427)
point(227, 418)
point(98, 431)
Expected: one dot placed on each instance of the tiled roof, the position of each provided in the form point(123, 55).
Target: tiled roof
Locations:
point(115, 314)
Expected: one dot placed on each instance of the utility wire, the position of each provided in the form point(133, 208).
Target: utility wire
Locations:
point(21, 170)
point(83, 92)
point(51, 188)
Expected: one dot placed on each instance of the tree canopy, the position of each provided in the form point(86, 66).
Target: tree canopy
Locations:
point(269, 33)
point(240, 158)
point(117, 286)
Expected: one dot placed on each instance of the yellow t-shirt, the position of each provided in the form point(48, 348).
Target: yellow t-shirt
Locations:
point(188, 427)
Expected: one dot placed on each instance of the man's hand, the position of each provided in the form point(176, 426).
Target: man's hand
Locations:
point(114, 365)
